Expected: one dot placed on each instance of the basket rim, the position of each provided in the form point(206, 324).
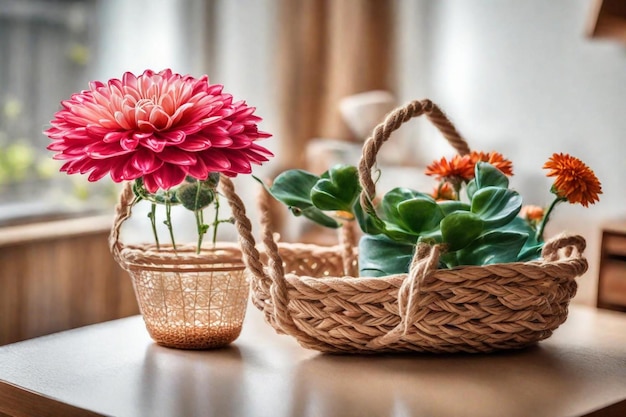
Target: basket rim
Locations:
point(448, 274)
point(225, 256)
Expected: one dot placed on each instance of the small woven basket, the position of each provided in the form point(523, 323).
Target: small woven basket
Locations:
point(187, 300)
point(311, 292)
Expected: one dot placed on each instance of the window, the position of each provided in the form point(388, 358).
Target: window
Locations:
point(46, 49)
point(50, 49)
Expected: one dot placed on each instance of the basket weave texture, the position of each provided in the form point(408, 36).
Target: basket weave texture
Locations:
point(311, 292)
point(187, 300)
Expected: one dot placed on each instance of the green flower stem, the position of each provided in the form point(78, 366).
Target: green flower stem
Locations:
point(199, 220)
point(168, 218)
point(546, 218)
point(457, 185)
point(200, 227)
point(152, 216)
point(216, 221)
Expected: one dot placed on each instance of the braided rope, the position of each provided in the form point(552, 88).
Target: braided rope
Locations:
point(274, 284)
point(348, 242)
point(250, 254)
point(550, 251)
point(279, 316)
point(425, 260)
point(123, 210)
point(392, 122)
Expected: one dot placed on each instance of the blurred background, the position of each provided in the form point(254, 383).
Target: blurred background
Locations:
point(526, 79)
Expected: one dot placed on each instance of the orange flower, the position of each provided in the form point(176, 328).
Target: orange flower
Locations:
point(574, 181)
point(494, 158)
point(533, 214)
point(444, 191)
point(457, 168)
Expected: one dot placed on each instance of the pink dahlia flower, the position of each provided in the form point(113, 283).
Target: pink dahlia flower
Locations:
point(160, 126)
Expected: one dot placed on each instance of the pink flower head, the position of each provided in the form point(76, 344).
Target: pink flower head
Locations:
point(160, 126)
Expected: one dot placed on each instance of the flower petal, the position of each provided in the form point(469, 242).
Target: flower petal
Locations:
point(175, 156)
point(199, 170)
point(145, 161)
point(154, 144)
point(172, 136)
point(194, 144)
point(215, 160)
point(103, 150)
point(166, 177)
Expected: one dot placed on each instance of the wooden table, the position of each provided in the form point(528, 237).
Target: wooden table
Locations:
point(114, 369)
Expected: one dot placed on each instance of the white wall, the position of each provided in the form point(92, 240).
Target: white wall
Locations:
point(521, 77)
point(244, 59)
point(145, 34)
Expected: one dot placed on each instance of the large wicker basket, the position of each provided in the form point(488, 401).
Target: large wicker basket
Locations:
point(311, 293)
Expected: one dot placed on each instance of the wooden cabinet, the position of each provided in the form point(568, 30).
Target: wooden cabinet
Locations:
point(608, 20)
point(612, 278)
point(59, 275)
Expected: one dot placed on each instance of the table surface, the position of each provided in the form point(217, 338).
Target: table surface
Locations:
point(115, 369)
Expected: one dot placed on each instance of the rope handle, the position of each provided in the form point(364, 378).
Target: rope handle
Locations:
point(392, 122)
point(279, 296)
point(273, 282)
point(280, 315)
point(551, 249)
point(123, 210)
point(372, 145)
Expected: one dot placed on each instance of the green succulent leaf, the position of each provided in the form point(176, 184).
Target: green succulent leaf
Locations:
point(449, 259)
point(532, 248)
point(293, 188)
point(449, 206)
point(399, 234)
point(314, 214)
point(530, 252)
point(432, 237)
point(407, 224)
point(460, 228)
point(492, 248)
point(368, 223)
point(393, 199)
point(496, 206)
point(374, 225)
point(420, 214)
point(486, 175)
point(337, 189)
point(380, 256)
point(396, 196)
point(471, 188)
